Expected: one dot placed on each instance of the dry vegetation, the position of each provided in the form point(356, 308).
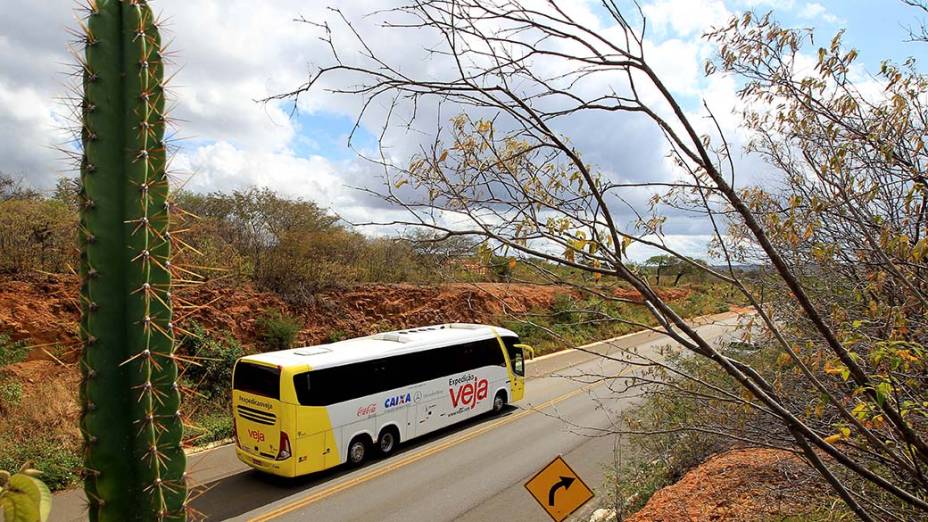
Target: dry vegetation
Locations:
point(271, 273)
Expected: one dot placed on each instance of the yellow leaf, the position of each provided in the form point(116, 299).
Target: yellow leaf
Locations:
point(444, 155)
point(832, 370)
point(831, 439)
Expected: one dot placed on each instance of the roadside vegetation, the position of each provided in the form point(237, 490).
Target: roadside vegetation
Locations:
point(283, 248)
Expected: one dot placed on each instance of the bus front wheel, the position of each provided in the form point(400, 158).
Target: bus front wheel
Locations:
point(499, 402)
point(357, 451)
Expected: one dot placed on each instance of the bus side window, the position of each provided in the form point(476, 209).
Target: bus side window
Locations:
point(301, 384)
point(491, 354)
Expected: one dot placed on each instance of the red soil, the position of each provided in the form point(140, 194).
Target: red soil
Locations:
point(746, 484)
point(43, 309)
point(667, 294)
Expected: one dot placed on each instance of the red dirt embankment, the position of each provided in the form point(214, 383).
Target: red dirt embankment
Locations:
point(43, 309)
point(744, 485)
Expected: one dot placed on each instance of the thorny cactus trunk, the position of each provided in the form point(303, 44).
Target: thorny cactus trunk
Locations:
point(131, 419)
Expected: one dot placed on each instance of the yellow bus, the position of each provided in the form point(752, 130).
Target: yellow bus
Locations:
point(307, 409)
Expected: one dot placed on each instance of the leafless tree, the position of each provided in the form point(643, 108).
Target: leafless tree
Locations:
point(843, 233)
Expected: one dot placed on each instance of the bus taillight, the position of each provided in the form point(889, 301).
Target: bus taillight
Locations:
point(284, 452)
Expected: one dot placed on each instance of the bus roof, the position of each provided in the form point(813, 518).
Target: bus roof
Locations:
point(380, 345)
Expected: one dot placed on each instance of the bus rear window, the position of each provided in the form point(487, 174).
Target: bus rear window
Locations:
point(257, 379)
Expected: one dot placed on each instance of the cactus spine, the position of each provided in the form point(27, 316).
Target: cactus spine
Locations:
point(134, 462)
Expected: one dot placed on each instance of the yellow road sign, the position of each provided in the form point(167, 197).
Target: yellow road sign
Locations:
point(558, 489)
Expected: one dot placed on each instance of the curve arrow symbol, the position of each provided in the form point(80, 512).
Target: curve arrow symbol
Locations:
point(565, 483)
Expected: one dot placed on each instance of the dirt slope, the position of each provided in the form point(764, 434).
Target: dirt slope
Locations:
point(43, 309)
point(743, 485)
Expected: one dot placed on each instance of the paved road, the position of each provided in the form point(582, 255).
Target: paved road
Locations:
point(471, 472)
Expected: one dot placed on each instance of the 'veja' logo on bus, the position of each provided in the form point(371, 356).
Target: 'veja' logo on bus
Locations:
point(469, 394)
point(397, 401)
point(257, 435)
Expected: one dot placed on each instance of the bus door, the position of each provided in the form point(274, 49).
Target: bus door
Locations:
point(517, 362)
point(314, 451)
point(315, 445)
point(428, 414)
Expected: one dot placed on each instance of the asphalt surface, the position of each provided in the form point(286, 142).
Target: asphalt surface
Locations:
point(474, 471)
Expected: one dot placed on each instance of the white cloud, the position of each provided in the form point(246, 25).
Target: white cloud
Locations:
point(222, 166)
point(813, 10)
point(231, 52)
point(29, 124)
point(685, 17)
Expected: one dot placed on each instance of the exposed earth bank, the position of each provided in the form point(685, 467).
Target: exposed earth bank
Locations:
point(744, 484)
point(43, 310)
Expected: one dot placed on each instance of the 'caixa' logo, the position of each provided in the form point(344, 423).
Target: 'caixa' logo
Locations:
point(398, 400)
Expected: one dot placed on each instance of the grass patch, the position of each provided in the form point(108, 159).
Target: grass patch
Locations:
point(38, 428)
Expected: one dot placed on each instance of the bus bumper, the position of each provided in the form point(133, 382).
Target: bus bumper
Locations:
point(282, 468)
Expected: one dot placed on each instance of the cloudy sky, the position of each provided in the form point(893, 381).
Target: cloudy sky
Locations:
point(228, 53)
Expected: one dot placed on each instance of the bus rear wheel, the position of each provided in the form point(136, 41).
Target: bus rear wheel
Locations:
point(357, 451)
point(387, 442)
point(499, 402)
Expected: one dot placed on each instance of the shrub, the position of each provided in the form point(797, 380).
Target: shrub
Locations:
point(212, 426)
point(277, 331)
point(336, 335)
point(12, 352)
point(36, 234)
point(211, 375)
point(564, 309)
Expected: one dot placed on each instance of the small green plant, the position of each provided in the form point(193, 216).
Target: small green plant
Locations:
point(12, 352)
point(23, 497)
point(336, 335)
point(11, 391)
point(277, 331)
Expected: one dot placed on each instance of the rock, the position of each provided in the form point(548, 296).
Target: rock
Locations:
point(603, 515)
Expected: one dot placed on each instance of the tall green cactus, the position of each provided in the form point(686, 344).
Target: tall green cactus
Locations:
point(131, 421)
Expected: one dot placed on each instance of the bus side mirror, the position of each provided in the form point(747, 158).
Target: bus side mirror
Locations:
point(527, 349)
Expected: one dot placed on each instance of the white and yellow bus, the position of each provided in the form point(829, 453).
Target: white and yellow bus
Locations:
point(307, 409)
